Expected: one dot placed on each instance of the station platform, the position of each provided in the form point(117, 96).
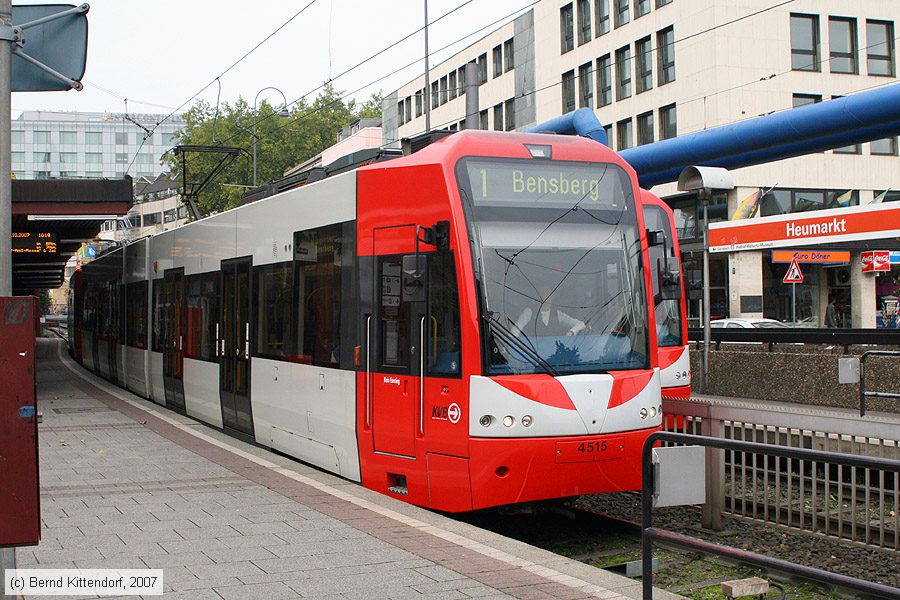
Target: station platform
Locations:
point(128, 484)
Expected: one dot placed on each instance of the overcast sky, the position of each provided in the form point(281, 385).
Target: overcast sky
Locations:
point(159, 53)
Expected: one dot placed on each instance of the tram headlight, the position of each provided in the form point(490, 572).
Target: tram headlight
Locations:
point(527, 420)
point(509, 420)
point(486, 420)
point(652, 411)
point(643, 413)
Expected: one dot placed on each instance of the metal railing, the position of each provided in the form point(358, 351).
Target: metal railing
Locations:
point(649, 534)
point(863, 393)
point(801, 335)
point(846, 503)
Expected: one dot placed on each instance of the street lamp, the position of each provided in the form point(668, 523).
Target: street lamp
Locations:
point(281, 113)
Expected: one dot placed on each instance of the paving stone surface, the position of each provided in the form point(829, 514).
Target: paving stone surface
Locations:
point(127, 484)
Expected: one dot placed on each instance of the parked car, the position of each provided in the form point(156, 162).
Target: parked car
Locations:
point(746, 323)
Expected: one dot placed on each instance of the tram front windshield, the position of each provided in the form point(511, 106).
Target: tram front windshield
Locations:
point(558, 262)
point(668, 312)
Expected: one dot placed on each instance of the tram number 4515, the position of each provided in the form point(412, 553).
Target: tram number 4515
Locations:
point(589, 450)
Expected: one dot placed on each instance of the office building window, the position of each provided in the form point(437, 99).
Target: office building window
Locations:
point(18, 157)
point(67, 174)
point(41, 157)
point(566, 29)
point(641, 8)
point(142, 158)
point(623, 73)
point(782, 201)
point(498, 117)
point(665, 52)
point(461, 75)
point(482, 69)
point(511, 114)
point(419, 108)
point(42, 174)
point(604, 81)
point(645, 128)
point(18, 136)
point(804, 42)
point(443, 87)
point(407, 106)
point(622, 12)
point(121, 138)
point(668, 122)
point(509, 55)
point(608, 130)
point(93, 158)
point(602, 17)
point(67, 137)
point(644, 53)
point(623, 134)
point(400, 112)
point(586, 86)
point(435, 95)
point(68, 157)
point(880, 48)
point(93, 138)
point(842, 42)
point(41, 137)
point(584, 21)
point(661, 3)
point(886, 146)
point(452, 87)
point(167, 139)
point(804, 99)
point(483, 120)
point(121, 157)
point(568, 91)
point(497, 55)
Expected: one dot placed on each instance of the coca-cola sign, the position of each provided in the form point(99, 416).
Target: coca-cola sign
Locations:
point(876, 260)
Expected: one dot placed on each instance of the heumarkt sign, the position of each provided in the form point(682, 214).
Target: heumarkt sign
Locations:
point(821, 227)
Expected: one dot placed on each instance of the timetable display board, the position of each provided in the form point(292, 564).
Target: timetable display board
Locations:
point(34, 242)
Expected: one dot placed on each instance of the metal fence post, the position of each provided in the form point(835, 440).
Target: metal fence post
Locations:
point(711, 516)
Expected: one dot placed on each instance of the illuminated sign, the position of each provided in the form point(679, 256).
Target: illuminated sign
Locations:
point(875, 260)
point(811, 256)
point(855, 223)
point(29, 242)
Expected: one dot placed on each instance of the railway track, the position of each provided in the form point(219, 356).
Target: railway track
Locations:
point(604, 531)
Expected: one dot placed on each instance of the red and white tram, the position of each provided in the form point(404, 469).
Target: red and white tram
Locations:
point(671, 313)
point(464, 327)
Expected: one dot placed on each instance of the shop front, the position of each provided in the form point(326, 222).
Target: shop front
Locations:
point(849, 257)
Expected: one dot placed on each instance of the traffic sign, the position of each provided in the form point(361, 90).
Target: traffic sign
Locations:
point(794, 274)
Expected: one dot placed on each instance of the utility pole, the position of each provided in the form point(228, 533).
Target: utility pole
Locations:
point(6, 41)
point(427, 98)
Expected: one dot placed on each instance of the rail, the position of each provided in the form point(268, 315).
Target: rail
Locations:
point(801, 335)
point(649, 533)
point(863, 392)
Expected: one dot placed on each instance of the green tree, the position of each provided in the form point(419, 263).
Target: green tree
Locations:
point(281, 142)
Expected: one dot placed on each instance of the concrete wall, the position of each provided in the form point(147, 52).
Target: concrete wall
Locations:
point(795, 374)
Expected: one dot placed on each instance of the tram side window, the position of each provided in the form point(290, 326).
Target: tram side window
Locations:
point(273, 302)
point(318, 265)
point(201, 316)
point(136, 314)
point(443, 316)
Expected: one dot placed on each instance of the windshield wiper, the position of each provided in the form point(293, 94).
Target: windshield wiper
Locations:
point(510, 339)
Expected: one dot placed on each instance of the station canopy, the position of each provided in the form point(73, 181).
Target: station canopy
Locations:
point(51, 218)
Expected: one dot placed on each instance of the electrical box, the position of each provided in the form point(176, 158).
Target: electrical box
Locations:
point(848, 369)
point(20, 512)
point(679, 475)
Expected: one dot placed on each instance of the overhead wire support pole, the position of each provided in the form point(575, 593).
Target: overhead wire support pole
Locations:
point(427, 90)
point(7, 38)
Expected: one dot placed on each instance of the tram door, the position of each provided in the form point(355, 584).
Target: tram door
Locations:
point(234, 360)
point(173, 337)
point(396, 345)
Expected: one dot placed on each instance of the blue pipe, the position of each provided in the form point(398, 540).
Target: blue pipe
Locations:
point(813, 128)
point(581, 122)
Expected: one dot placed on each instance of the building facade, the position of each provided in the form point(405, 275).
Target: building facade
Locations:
point(49, 144)
point(655, 69)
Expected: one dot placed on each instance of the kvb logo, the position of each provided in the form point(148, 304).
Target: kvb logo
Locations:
point(450, 413)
